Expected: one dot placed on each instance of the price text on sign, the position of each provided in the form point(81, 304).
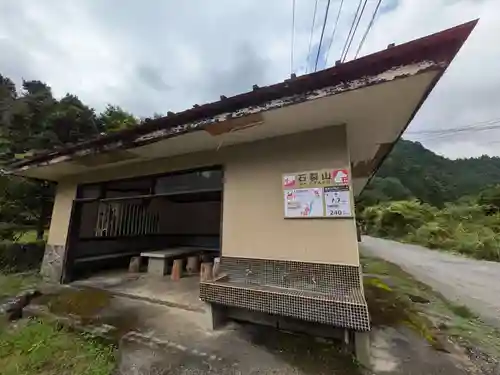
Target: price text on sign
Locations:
point(337, 201)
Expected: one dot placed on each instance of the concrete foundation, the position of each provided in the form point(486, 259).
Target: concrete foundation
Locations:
point(53, 261)
point(157, 266)
point(362, 348)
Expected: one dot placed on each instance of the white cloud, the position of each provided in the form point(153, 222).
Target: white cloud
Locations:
point(168, 55)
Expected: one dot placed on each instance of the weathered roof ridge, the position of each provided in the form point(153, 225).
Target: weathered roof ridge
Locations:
point(440, 47)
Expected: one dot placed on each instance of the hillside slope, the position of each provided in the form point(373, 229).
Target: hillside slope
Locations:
point(411, 170)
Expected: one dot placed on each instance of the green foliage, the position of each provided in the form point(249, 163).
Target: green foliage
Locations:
point(115, 119)
point(38, 347)
point(465, 229)
point(13, 284)
point(490, 199)
point(420, 173)
point(33, 120)
point(19, 257)
point(420, 197)
point(462, 311)
point(395, 219)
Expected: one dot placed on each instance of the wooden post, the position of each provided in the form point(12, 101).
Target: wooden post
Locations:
point(192, 264)
point(216, 269)
point(135, 264)
point(176, 270)
point(206, 271)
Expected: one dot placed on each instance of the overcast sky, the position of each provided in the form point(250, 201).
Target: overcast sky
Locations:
point(161, 55)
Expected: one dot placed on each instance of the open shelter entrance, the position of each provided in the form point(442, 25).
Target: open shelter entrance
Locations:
point(174, 214)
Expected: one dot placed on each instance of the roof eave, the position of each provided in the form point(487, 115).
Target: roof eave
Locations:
point(432, 52)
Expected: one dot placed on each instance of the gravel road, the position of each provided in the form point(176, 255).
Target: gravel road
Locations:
point(474, 283)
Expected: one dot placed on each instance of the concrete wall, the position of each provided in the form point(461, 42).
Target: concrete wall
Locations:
point(253, 216)
point(58, 233)
point(253, 208)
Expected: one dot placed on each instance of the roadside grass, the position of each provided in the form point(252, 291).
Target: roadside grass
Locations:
point(37, 347)
point(30, 346)
point(390, 289)
point(461, 311)
point(29, 236)
point(12, 284)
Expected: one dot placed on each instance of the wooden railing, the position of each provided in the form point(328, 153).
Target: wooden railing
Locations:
point(122, 218)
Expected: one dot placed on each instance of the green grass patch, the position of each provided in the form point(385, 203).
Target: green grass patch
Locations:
point(12, 284)
point(29, 236)
point(37, 347)
point(462, 311)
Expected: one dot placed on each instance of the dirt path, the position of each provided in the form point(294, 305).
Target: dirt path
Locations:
point(473, 283)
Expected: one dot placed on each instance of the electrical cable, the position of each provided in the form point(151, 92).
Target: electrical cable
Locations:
point(455, 128)
point(355, 29)
point(293, 37)
point(370, 25)
point(451, 132)
point(322, 34)
point(350, 30)
point(334, 29)
point(311, 35)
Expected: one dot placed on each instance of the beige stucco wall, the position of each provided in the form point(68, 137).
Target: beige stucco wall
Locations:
point(253, 222)
point(59, 225)
point(253, 217)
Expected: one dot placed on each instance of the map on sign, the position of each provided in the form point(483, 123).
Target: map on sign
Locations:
point(304, 202)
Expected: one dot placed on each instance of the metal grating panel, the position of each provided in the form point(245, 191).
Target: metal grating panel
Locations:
point(320, 310)
point(316, 277)
point(325, 293)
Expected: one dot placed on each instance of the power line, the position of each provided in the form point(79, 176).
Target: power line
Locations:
point(311, 35)
point(293, 37)
point(322, 34)
point(355, 29)
point(370, 25)
point(350, 30)
point(455, 128)
point(451, 132)
point(334, 29)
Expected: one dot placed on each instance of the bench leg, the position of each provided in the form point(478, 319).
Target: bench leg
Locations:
point(157, 266)
point(135, 265)
point(177, 269)
point(192, 266)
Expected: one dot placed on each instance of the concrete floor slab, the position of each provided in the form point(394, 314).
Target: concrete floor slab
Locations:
point(156, 339)
point(183, 293)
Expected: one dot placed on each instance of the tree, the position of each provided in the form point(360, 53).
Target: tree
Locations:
point(489, 198)
point(115, 119)
point(33, 120)
point(71, 121)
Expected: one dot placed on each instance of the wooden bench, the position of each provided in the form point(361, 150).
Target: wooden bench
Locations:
point(158, 260)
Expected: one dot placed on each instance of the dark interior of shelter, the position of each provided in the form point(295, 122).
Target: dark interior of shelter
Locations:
point(116, 220)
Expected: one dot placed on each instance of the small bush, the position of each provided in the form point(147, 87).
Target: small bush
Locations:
point(462, 311)
point(466, 228)
point(18, 257)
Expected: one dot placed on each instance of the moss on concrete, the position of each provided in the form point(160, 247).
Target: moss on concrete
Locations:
point(389, 292)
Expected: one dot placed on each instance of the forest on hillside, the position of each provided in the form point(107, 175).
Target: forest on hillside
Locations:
point(423, 198)
point(32, 119)
point(412, 171)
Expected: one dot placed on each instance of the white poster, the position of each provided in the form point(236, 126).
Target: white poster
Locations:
point(304, 202)
point(337, 201)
